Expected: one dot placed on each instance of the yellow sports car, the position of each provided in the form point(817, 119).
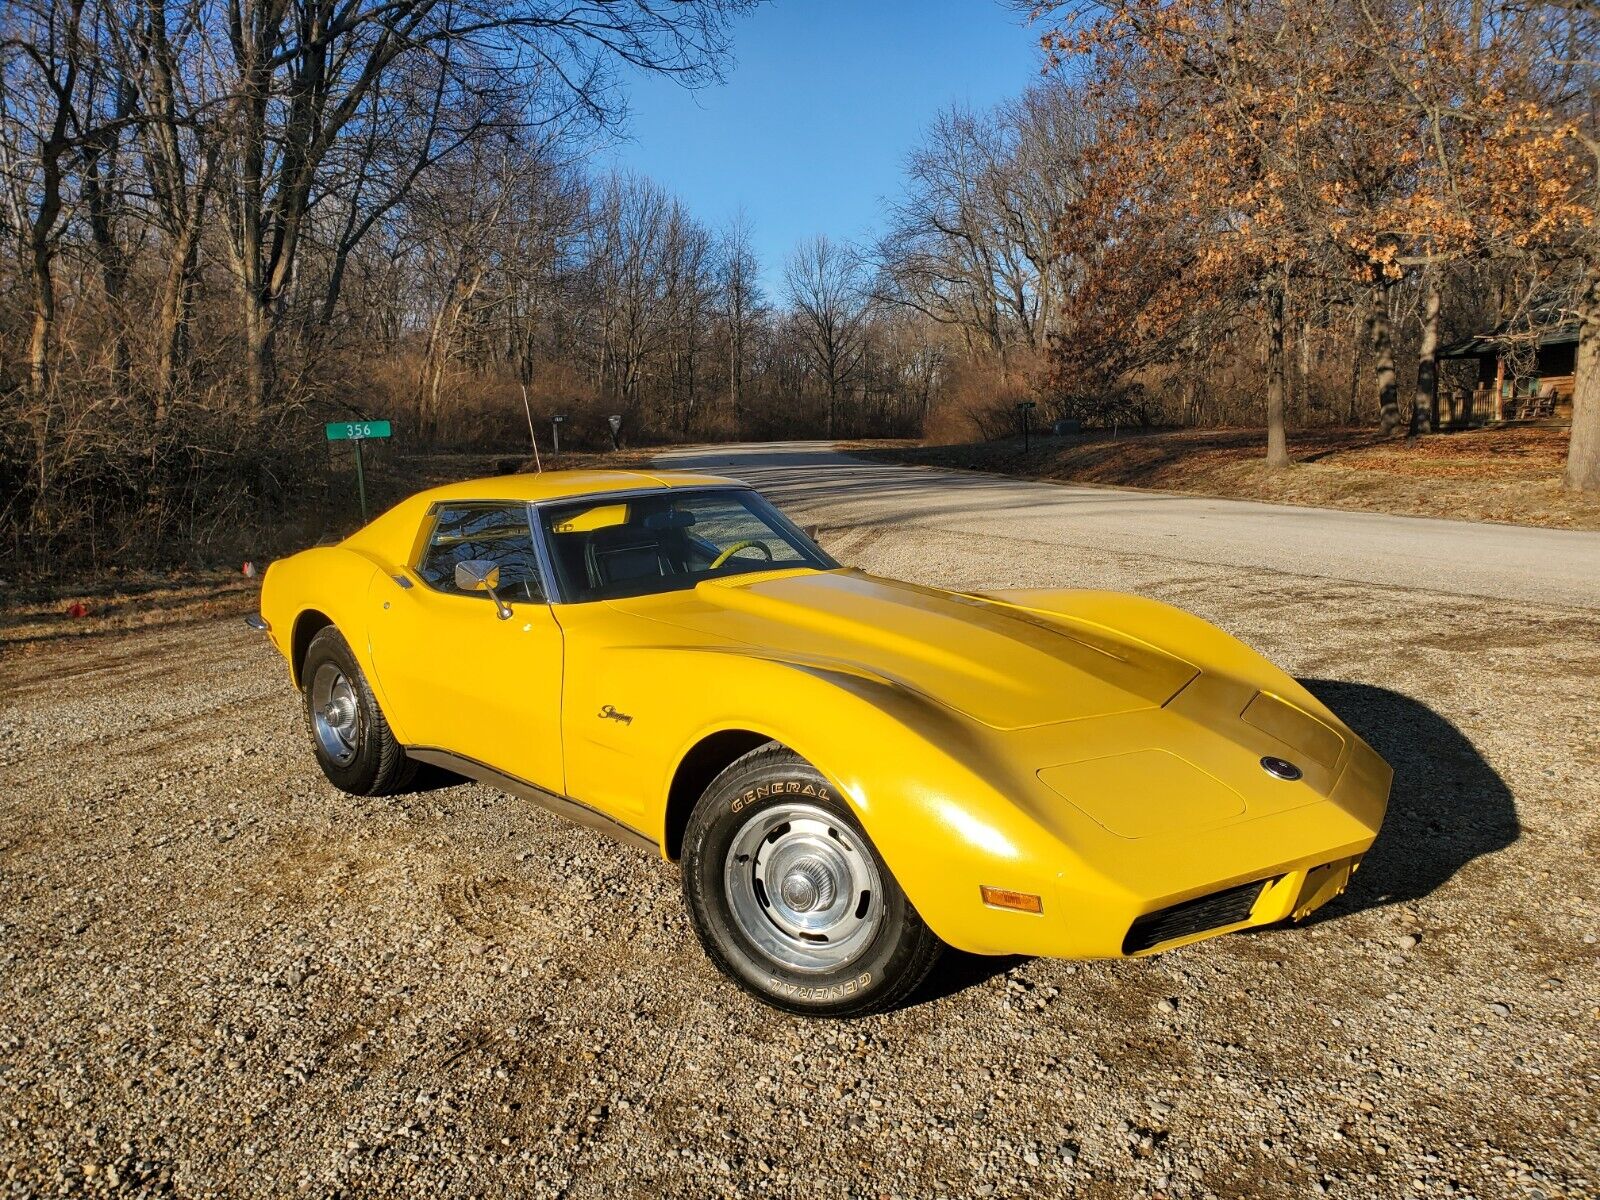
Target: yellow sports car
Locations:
point(852, 771)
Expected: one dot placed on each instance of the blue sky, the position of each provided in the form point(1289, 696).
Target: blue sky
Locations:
point(821, 105)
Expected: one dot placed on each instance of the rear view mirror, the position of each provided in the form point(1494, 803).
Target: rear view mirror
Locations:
point(671, 519)
point(477, 575)
point(481, 575)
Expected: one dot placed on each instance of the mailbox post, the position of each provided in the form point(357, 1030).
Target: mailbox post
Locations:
point(1024, 408)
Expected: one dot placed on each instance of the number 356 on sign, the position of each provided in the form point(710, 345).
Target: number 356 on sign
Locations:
point(357, 431)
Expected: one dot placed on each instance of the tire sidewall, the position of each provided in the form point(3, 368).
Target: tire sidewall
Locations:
point(360, 774)
point(741, 795)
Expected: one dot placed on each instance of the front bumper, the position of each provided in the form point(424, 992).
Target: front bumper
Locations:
point(1264, 902)
point(1111, 898)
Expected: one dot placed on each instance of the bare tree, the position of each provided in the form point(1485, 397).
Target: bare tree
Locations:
point(741, 307)
point(53, 122)
point(301, 71)
point(627, 263)
point(829, 293)
point(975, 241)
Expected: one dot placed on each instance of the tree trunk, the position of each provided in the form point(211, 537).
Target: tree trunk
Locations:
point(102, 186)
point(177, 307)
point(1302, 368)
point(258, 339)
point(736, 366)
point(1383, 361)
point(1583, 451)
point(113, 276)
point(44, 319)
point(1352, 405)
point(41, 230)
point(1277, 443)
point(1425, 401)
point(248, 243)
point(1193, 369)
point(42, 254)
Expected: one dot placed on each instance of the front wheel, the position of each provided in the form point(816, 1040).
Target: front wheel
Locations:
point(354, 746)
point(791, 899)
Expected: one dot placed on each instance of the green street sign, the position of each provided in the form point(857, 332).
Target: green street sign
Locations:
point(357, 431)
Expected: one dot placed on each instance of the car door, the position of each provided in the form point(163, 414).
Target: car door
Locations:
point(458, 676)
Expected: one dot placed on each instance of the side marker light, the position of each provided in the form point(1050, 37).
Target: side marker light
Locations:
point(1018, 901)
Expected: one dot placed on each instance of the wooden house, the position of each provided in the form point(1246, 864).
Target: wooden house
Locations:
point(1518, 378)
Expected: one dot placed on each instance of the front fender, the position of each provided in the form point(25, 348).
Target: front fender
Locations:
point(333, 581)
point(933, 791)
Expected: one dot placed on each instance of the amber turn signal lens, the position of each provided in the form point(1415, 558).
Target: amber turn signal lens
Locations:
point(1001, 898)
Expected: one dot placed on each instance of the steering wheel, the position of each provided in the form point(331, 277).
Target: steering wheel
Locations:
point(747, 544)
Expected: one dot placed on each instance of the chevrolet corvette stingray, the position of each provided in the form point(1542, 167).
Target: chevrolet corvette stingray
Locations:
point(852, 772)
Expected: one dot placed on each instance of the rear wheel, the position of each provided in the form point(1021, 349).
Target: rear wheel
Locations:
point(791, 899)
point(349, 734)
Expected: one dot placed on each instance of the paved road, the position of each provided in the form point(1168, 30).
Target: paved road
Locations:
point(1506, 562)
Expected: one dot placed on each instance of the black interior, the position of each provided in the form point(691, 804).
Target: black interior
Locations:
point(624, 553)
point(670, 541)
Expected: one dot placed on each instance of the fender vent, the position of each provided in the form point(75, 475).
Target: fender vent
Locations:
point(1193, 916)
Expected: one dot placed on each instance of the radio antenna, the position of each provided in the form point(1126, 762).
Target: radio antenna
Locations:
point(532, 437)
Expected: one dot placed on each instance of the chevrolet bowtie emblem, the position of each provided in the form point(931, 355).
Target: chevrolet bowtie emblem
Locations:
point(612, 714)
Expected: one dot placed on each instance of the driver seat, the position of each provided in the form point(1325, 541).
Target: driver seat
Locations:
point(623, 553)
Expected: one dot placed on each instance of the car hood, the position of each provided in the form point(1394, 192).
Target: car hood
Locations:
point(1004, 666)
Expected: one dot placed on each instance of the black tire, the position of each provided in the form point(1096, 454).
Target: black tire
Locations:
point(896, 948)
point(364, 760)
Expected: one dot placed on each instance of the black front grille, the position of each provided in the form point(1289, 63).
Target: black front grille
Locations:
point(1193, 916)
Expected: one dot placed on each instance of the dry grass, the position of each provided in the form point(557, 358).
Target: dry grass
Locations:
point(119, 603)
point(1510, 475)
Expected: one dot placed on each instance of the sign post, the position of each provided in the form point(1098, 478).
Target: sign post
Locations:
point(1024, 408)
point(616, 428)
point(357, 432)
point(555, 434)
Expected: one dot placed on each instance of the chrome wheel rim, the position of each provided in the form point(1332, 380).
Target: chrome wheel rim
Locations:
point(335, 714)
point(803, 888)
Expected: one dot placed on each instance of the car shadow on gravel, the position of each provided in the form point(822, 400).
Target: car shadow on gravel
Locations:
point(1448, 806)
point(956, 971)
point(429, 778)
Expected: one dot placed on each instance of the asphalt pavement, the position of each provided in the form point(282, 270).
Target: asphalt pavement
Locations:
point(811, 480)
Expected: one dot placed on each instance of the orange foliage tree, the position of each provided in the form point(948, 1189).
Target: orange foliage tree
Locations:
point(1336, 143)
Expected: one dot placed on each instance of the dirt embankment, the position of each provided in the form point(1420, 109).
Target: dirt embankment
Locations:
point(1510, 475)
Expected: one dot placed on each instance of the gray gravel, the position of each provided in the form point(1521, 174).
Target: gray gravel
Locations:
point(220, 976)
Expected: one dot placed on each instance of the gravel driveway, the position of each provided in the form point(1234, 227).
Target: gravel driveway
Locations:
point(220, 977)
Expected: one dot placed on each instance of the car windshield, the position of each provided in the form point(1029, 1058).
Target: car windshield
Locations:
point(604, 548)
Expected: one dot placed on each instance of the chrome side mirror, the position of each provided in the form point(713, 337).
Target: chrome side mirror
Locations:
point(481, 575)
